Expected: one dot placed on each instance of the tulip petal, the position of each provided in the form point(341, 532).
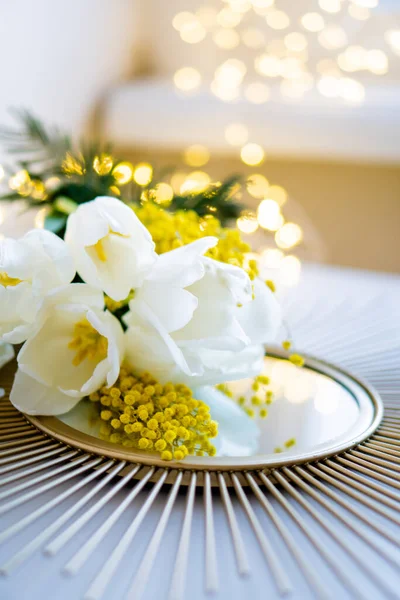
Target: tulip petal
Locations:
point(173, 307)
point(126, 265)
point(262, 317)
point(183, 266)
point(52, 264)
point(126, 253)
point(214, 323)
point(149, 347)
point(46, 356)
point(7, 353)
point(220, 366)
point(41, 261)
point(109, 327)
point(34, 398)
point(18, 310)
point(74, 293)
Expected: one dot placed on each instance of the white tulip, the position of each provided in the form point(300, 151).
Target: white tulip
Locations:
point(6, 353)
point(75, 349)
point(112, 250)
point(195, 320)
point(29, 268)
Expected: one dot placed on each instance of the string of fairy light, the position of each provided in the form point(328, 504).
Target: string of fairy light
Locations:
point(265, 48)
point(191, 178)
point(299, 49)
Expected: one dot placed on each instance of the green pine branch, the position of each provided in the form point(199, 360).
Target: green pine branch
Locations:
point(45, 153)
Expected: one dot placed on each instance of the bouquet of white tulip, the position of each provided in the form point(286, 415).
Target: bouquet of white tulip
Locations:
point(103, 296)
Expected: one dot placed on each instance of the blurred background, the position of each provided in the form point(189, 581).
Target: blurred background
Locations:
point(301, 98)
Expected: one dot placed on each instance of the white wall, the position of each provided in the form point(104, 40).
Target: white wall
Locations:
point(58, 57)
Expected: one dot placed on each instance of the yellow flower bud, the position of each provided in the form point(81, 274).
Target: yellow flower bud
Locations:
point(160, 445)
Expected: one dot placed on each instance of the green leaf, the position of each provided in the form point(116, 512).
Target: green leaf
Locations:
point(65, 205)
point(55, 222)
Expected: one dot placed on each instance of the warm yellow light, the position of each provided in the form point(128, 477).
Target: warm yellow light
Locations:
point(1, 172)
point(298, 386)
point(277, 48)
point(231, 72)
point(196, 155)
point(252, 154)
point(359, 12)
point(257, 186)
point(268, 207)
point(351, 90)
point(228, 18)
point(239, 6)
point(290, 270)
point(195, 182)
point(253, 38)
point(366, 3)
point(227, 39)
point(247, 223)
point(224, 93)
point(289, 235)
point(192, 32)
point(38, 190)
point(329, 86)
point(330, 6)
point(268, 65)
point(291, 68)
point(187, 79)
point(377, 62)
point(327, 66)
point(393, 38)
point(177, 180)
point(228, 77)
point(19, 180)
point(269, 215)
point(278, 193)
point(313, 22)
point(271, 258)
point(123, 173)
point(236, 134)
point(277, 19)
point(182, 19)
point(262, 3)
point(207, 15)
point(103, 164)
point(257, 92)
point(354, 58)
point(163, 193)
point(332, 37)
point(52, 183)
point(296, 42)
point(143, 174)
point(292, 90)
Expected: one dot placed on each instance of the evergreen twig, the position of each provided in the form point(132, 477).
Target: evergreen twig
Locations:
point(43, 153)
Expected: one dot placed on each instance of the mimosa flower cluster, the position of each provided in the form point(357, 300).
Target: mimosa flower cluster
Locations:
point(138, 412)
point(192, 314)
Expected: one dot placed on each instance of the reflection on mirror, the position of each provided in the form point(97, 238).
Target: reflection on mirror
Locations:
point(307, 410)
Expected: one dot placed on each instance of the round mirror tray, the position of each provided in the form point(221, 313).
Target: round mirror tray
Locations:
point(317, 411)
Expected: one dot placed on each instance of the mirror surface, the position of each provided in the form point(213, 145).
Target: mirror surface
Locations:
point(309, 411)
